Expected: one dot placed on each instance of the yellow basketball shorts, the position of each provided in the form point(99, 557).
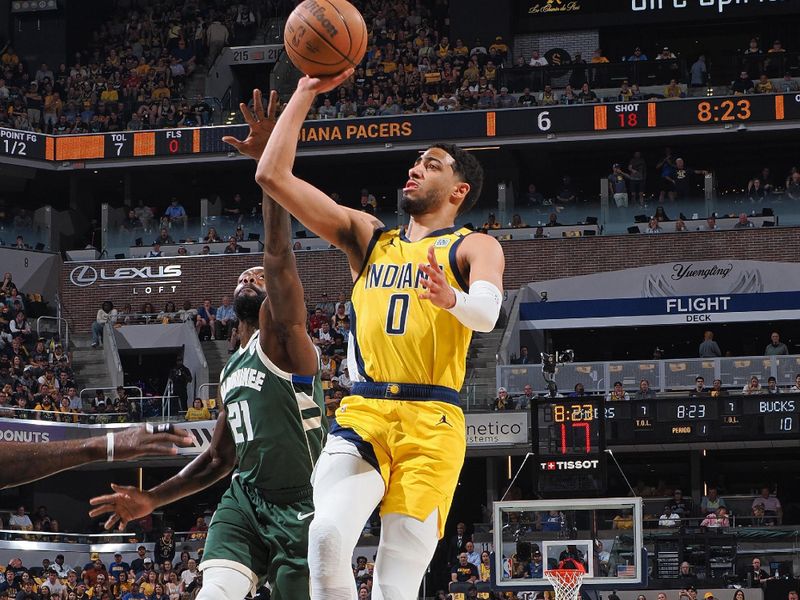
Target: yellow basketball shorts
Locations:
point(418, 447)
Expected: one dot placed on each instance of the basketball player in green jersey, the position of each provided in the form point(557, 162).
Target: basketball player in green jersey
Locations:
point(271, 423)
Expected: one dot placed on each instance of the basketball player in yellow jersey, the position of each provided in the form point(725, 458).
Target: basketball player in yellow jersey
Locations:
point(419, 292)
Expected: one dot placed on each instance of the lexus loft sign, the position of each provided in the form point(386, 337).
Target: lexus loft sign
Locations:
point(148, 279)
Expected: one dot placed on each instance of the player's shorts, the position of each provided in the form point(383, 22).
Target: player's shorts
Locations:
point(417, 446)
point(264, 538)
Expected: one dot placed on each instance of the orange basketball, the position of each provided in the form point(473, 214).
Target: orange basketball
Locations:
point(325, 37)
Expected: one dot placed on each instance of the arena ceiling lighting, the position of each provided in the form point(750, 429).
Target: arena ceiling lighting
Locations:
point(23, 6)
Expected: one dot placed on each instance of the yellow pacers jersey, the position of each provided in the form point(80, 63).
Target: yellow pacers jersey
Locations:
point(396, 337)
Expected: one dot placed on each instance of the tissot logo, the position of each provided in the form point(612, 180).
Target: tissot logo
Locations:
point(85, 275)
point(568, 465)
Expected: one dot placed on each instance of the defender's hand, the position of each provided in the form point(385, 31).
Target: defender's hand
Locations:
point(126, 504)
point(438, 291)
point(147, 440)
point(261, 125)
point(325, 83)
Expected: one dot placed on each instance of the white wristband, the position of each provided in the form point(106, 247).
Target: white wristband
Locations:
point(110, 446)
point(480, 308)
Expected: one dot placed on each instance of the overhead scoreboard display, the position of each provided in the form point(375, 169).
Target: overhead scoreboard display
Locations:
point(570, 435)
point(569, 445)
point(492, 127)
point(766, 418)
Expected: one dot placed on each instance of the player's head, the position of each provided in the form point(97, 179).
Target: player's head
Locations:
point(249, 295)
point(443, 174)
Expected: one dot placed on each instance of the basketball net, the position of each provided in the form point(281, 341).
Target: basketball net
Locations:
point(566, 582)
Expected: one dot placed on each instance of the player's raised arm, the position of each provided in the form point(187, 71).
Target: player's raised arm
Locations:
point(283, 316)
point(28, 462)
point(128, 503)
point(347, 229)
point(481, 258)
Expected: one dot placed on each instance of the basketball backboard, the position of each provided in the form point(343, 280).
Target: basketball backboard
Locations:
point(603, 535)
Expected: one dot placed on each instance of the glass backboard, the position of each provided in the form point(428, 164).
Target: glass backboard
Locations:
point(601, 536)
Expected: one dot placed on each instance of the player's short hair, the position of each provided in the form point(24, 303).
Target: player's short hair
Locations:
point(469, 168)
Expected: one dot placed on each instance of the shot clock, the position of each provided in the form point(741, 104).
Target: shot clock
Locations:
point(570, 445)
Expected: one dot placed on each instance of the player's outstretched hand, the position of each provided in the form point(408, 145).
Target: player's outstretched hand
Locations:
point(261, 125)
point(325, 83)
point(126, 504)
point(149, 440)
point(437, 290)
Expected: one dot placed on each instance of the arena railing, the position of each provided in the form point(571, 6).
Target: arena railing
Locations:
point(597, 75)
point(60, 323)
point(670, 374)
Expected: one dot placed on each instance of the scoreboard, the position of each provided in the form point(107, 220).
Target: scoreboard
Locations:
point(495, 127)
point(570, 435)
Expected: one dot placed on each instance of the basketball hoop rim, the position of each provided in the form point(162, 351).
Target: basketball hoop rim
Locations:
point(565, 577)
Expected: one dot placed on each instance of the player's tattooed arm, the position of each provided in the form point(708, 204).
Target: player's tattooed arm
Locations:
point(128, 503)
point(283, 315)
point(24, 462)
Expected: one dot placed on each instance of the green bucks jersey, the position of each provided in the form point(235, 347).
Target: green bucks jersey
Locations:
point(277, 419)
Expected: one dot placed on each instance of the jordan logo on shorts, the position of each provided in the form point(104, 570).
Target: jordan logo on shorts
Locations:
point(444, 420)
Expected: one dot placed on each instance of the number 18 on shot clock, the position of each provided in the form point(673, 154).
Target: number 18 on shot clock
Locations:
point(569, 445)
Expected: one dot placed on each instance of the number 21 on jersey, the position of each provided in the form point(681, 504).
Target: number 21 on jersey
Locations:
point(239, 418)
point(397, 314)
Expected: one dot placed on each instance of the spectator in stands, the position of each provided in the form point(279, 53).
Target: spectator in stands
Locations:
point(708, 347)
point(673, 90)
point(181, 377)
point(698, 72)
point(711, 501)
point(644, 392)
point(764, 85)
point(618, 393)
point(165, 546)
point(756, 576)
point(225, 319)
point(788, 84)
point(106, 313)
point(205, 323)
point(768, 506)
point(617, 186)
point(473, 556)
point(587, 95)
point(772, 386)
point(752, 387)
point(742, 85)
point(155, 251)
point(464, 571)
point(624, 520)
point(164, 238)
point(502, 402)
point(523, 358)
point(775, 346)
point(19, 520)
point(7, 284)
point(527, 399)
point(718, 518)
point(744, 222)
point(567, 193)
point(653, 226)
point(669, 518)
point(686, 579)
point(699, 390)
point(679, 504)
point(233, 246)
point(20, 327)
point(578, 391)
point(491, 223)
point(212, 236)
point(717, 389)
